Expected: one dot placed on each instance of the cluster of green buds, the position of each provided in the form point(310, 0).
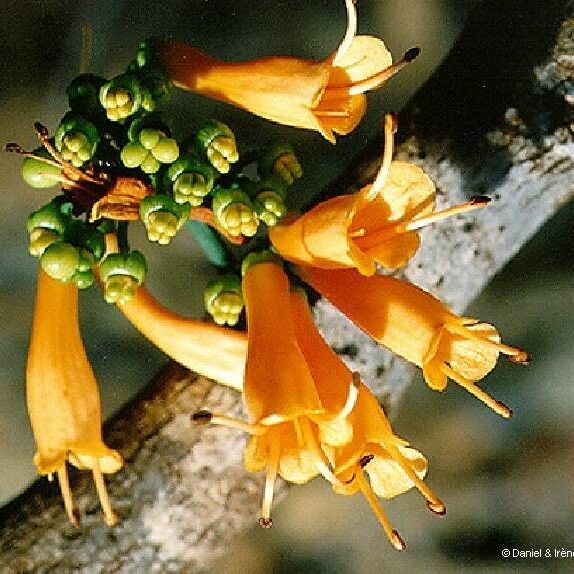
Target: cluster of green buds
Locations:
point(114, 156)
point(162, 217)
point(223, 299)
point(121, 275)
point(67, 248)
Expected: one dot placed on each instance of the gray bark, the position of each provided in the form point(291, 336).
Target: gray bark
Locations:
point(495, 119)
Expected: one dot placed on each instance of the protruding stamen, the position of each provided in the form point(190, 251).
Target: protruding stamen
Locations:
point(311, 443)
point(349, 33)
point(375, 505)
point(71, 511)
point(388, 130)
point(265, 519)
point(331, 113)
point(443, 214)
point(514, 354)
point(110, 517)
point(74, 172)
point(497, 406)
point(204, 417)
point(434, 504)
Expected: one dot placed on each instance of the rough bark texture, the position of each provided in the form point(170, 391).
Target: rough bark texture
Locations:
point(493, 121)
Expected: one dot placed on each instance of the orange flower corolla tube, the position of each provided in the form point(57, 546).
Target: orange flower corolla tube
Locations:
point(417, 326)
point(285, 408)
point(326, 96)
point(376, 225)
point(63, 397)
point(215, 352)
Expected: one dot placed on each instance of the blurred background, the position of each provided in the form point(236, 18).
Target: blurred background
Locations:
point(506, 483)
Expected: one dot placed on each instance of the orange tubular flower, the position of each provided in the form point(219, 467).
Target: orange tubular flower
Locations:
point(286, 410)
point(62, 395)
point(215, 352)
point(392, 466)
point(326, 96)
point(418, 327)
point(376, 225)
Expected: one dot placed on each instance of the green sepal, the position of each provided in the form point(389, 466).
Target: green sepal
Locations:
point(83, 279)
point(55, 215)
point(256, 257)
point(84, 95)
point(223, 197)
point(83, 235)
point(193, 166)
point(162, 202)
point(268, 162)
point(209, 131)
point(152, 121)
point(133, 264)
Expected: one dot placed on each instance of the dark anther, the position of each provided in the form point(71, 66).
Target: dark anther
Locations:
point(201, 417)
point(13, 147)
point(479, 199)
point(437, 508)
point(397, 541)
point(412, 54)
point(522, 358)
point(395, 121)
point(265, 522)
point(41, 130)
point(506, 411)
point(365, 460)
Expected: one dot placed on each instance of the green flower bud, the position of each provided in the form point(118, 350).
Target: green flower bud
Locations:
point(86, 238)
point(83, 95)
point(280, 159)
point(190, 180)
point(121, 97)
point(60, 260)
point(256, 257)
point(76, 139)
point(40, 239)
point(223, 299)
point(133, 154)
point(39, 174)
point(233, 211)
point(122, 274)
point(162, 217)
point(269, 202)
point(216, 142)
point(48, 225)
point(166, 150)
